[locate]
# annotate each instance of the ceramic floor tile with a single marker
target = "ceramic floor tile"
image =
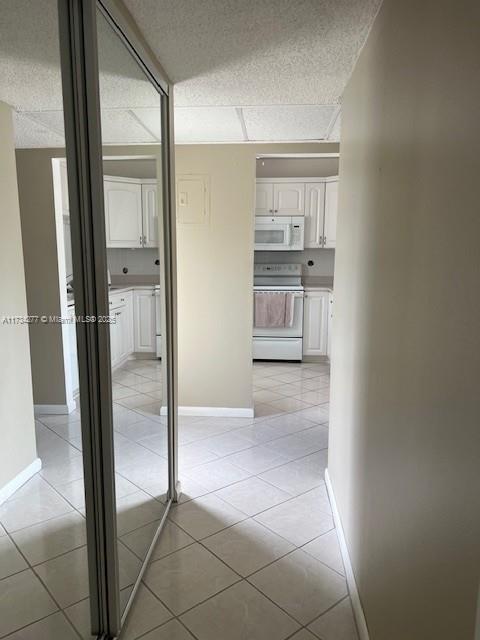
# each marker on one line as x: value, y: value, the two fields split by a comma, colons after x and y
x: 266, y: 395
x: 239, y: 613
x: 327, y: 549
x: 144, y: 428
x: 217, y: 474
x: 247, y: 546
x: 258, y: 433
x: 252, y: 495
x: 187, y: 577
x: 190, y: 489
x: 172, y: 630
x: 194, y: 454
x: 318, y: 414
x: 136, y: 510
x: 17, y: 591
x: 66, y: 577
x: 79, y: 616
x: 300, y: 475
x: 52, y: 538
x: 63, y: 473
x: 171, y: 539
x: 289, y: 404
x: 37, y: 502
x: 257, y: 459
x: 284, y: 519
x: 303, y: 634
x: 51, y: 628
x: 336, y: 624
x: 11, y: 561
x: 227, y: 443
x: 288, y: 424
x: 293, y: 446
x: 301, y: 585
x: 146, y: 614
x: 206, y: 515
x: 149, y: 475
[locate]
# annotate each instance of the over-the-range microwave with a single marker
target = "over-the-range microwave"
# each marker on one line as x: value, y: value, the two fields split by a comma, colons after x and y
x: 279, y: 233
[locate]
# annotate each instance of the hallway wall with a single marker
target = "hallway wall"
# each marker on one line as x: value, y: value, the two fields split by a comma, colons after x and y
x: 405, y: 432
x: 17, y: 428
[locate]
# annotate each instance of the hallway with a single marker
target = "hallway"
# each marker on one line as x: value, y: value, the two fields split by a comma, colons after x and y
x: 250, y: 551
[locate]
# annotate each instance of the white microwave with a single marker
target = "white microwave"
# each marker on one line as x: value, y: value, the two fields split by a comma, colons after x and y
x: 279, y: 233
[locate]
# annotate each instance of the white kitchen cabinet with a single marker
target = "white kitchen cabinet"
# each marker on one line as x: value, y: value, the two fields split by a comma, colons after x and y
x: 314, y: 214
x: 289, y: 198
x: 144, y: 320
x: 121, y: 328
x: 264, y: 199
x: 150, y: 214
x: 315, y: 322
x: 331, y: 207
x: 123, y: 213
x: 72, y: 351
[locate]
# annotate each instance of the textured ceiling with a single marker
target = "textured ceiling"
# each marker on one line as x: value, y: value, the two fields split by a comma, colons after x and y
x: 244, y: 70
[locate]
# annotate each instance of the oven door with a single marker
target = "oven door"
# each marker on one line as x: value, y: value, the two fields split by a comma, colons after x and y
x: 272, y: 234
x: 295, y: 331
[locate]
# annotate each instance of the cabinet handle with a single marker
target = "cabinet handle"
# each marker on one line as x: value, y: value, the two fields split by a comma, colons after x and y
x: 140, y: 240
x: 144, y: 240
x: 270, y: 210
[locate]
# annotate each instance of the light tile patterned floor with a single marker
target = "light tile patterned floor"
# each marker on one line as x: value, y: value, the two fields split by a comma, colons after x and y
x: 250, y: 553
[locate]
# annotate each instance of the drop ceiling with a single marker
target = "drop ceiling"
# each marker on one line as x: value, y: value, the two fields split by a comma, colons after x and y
x: 269, y: 70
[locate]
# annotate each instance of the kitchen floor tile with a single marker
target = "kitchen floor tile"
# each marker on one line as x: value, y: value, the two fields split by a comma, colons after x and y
x: 227, y: 443
x: 51, y: 628
x: 172, y: 630
x: 171, y: 539
x: 257, y: 459
x: 204, y: 516
x: 66, y: 577
x: 187, y: 577
x: 301, y: 585
x: 327, y: 549
x: 336, y: 624
x: 247, y: 546
x: 239, y: 613
x: 52, y: 538
x: 146, y: 614
x: 217, y: 474
x: 252, y: 495
x: 32, y: 504
x: 284, y: 519
x: 11, y: 561
x: 300, y: 475
x: 303, y: 634
x: 24, y: 600
x: 136, y: 510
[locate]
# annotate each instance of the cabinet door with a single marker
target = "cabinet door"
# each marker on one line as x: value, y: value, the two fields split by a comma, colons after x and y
x: 289, y: 198
x: 314, y: 212
x: 144, y: 320
x: 315, y: 323
x: 115, y: 336
x: 150, y: 215
x: 264, y: 199
x: 331, y: 206
x: 127, y: 326
x: 123, y: 214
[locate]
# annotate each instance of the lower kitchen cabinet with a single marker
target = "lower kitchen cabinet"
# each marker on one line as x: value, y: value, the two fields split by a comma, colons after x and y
x: 144, y: 320
x: 315, y: 322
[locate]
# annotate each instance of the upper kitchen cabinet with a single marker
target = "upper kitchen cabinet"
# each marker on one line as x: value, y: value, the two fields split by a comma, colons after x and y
x: 314, y: 215
x: 289, y: 198
x: 264, y: 199
x: 321, y: 213
x: 150, y: 214
x: 331, y: 207
x: 282, y: 197
x: 123, y: 213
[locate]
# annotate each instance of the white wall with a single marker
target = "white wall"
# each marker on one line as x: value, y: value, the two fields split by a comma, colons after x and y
x: 17, y: 431
x: 405, y: 408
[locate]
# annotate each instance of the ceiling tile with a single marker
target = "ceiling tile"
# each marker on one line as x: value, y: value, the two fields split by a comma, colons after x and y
x: 53, y: 120
x: 288, y: 123
x: 30, y: 134
x: 150, y: 119
x: 207, y: 124
x: 121, y: 127
x: 335, y: 131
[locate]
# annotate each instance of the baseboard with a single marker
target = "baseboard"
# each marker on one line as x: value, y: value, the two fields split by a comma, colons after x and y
x: 20, y: 479
x: 57, y: 409
x: 352, y: 585
x: 214, y: 412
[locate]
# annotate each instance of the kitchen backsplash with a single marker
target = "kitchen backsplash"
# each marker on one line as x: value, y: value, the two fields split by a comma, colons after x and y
x: 323, y: 260
x: 137, y: 261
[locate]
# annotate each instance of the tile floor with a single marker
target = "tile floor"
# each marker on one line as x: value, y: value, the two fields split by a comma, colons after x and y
x: 249, y: 553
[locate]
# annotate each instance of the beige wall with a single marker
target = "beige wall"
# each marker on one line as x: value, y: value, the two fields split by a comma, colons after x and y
x: 17, y: 432
x: 405, y: 429
x: 35, y: 188
x: 215, y: 275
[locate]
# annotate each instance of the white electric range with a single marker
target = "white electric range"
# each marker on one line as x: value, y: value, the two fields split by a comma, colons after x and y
x: 283, y: 343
